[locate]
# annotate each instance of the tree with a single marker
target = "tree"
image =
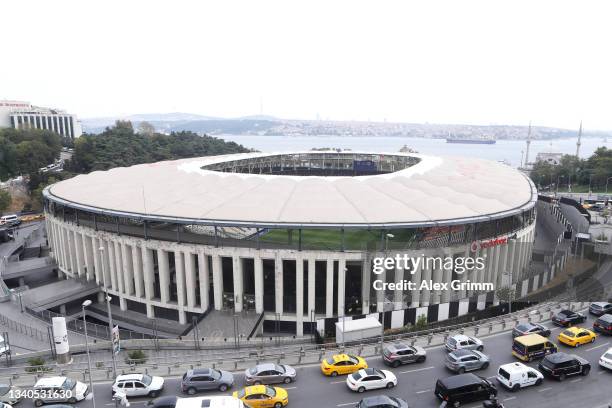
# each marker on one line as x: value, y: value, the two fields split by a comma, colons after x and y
x: 505, y: 294
x: 146, y: 129
x: 5, y: 200
x: 421, y: 323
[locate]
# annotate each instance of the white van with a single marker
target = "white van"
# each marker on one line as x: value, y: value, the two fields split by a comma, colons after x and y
x: 209, y: 402
x: 10, y: 220
x: 517, y: 375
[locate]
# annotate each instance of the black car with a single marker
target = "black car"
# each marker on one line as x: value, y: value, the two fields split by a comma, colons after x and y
x: 600, y: 308
x: 163, y: 402
x: 463, y: 388
x: 568, y: 318
x: 382, y: 401
x: 523, y: 329
x: 603, y: 324
x: 561, y: 365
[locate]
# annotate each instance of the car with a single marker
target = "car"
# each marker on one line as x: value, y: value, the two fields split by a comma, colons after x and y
x: 371, y: 379
x: 600, y: 308
x: 9, y: 394
x: 260, y: 396
x: 576, y: 336
x: 462, y: 388
x: 606, y: 359
x: 5, y: 405
x: 523, y: 329
x: 11, y: 220
x: 270, y: 374
x: 464, y: 360
x: 461, y: 341
x: 205, y: 379
x: 400, y: 353
x: 59, y: 389
x: 382, y: 401
x: 603, y: 324
x: 138, y: 385
x: 340, y: 364
x: 562, y: 365
x: 163, y: 402
x: 515, y: 376
x: 566, y: 318
x: 5, y: 348
x: 218, y: 401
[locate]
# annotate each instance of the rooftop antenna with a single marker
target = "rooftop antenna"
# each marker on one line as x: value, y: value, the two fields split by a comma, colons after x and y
x: 578, y: 142
x: 528, y: 142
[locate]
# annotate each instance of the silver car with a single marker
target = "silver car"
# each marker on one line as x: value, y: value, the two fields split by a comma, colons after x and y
x: 461, y: 361
x: 399, y: 353
x: 461, y: 341
x: 269, y: 374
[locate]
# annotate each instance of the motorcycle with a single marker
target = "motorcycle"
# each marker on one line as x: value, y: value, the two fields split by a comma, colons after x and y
x: 493, y: 403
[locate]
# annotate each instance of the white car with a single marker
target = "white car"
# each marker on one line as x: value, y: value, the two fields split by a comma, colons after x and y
x: 606, y: 359
x: 371, y: 379
x: 461, y: 342
x: 515, y: 376
x: 138, y: 385
x: 58, y: 390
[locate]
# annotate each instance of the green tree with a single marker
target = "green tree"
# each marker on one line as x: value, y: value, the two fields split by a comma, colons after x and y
x: 5, y: 200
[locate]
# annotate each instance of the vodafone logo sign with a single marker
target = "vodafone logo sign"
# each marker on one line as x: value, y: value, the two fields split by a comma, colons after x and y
x: 478, y: 245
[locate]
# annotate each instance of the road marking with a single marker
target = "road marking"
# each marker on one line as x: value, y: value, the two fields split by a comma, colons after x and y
x: 596, y: 347
x: 576, y: 380
x: 509, y: 398
x: 290, y: 388
x: 545, y: 389
x: 415, y: 370
x: 424, y: 391
x: 347, y: 404
x: 492, y: 377
x: 338, y: 382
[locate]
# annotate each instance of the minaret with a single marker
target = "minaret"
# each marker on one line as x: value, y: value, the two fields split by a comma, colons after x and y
x: 578, y: 142
x: 528, y: 142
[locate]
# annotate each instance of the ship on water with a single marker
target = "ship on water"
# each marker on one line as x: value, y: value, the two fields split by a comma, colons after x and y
x: 471, y: 140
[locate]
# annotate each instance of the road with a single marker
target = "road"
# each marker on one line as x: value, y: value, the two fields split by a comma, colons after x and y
x: 416, y: 382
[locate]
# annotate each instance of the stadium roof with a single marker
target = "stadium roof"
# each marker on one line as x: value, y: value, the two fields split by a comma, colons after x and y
x: 435, y: 191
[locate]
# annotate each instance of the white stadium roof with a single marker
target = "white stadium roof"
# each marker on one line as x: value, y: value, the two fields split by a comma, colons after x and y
x: 435, y: 191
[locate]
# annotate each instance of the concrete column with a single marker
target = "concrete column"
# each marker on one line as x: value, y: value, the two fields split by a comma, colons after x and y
x: 512, y: 257
x: 57, y: 246
x: 341, y: 285
x: 190, y: 280
x: 503, y: 262
x: 238, y: 283
x: 329, y: 289
x: 105, y: 264
x: 299, y: 296
x: 380, y: 294
x: 128, y: 269
x: 203, y: 274
x: 138, y: 272
x: 278, y: 284
x: 65, y: 247
x: 217, y: 281
x: 398, y: 295
x: 416, y: 294
x: 148, y: 273
x: 97, y: 262
x: 73, y: 258
x: 179, y: 265
x: 110, y: 246
x: 80, y: 256
x: 366, y: 277
x: 437, y: 276
x: 425, y: 293
x: 118, y: 267
x: 311, y: 286
x: 259, y: 284
x: 88, y: 250
x: 164, y: 275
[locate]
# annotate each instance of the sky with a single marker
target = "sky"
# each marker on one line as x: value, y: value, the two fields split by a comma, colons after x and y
x: 480, y: 62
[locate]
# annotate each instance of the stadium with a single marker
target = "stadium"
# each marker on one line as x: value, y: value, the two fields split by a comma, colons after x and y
x: 289, y: 236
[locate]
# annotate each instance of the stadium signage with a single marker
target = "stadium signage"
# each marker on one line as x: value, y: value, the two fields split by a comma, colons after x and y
x: 477, y: 245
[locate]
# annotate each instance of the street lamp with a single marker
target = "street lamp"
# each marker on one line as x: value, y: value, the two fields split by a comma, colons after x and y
x: 608, y: 179
x: 110, y: 316
x: 85, y: 304
x: 382, y: 327
x: 558, y: 178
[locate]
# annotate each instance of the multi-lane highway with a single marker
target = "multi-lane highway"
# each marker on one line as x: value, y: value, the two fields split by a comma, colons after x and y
x: 416, y: 382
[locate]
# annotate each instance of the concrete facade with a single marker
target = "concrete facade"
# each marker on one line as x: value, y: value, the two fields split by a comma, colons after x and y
x: 188, y: 278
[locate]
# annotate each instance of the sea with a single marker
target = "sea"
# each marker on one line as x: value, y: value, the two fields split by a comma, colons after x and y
x: 509, y: 151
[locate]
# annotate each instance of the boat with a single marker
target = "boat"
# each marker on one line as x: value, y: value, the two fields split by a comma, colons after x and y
x: 471, y: 140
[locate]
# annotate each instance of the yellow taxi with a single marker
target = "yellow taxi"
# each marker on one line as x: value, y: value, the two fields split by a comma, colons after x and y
x: 262, y: 396
x: 576, y: 336
x: 342, y: 364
